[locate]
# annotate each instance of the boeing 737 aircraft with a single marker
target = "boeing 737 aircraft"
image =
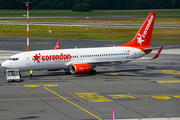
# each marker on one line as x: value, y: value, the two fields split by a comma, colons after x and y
x: 85, y: 60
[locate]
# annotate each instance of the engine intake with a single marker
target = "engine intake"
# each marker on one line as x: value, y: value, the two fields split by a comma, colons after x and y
x: 80, y: 68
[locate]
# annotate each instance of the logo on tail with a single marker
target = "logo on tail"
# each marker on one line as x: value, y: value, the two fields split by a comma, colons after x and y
x: 140, y: 39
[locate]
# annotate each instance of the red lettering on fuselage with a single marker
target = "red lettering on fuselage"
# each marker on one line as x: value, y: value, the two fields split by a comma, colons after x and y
x: 56, y: 57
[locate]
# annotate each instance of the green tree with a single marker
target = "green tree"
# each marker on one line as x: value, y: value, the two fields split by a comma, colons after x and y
x: 43, y: 5
x: 58, y: 6
x: 81, y: 7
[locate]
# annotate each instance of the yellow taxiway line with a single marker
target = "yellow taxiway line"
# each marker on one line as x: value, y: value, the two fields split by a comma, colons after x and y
x: 169, y: 81
x: 72, y: 103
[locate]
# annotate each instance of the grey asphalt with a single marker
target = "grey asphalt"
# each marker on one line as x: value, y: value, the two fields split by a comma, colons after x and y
x: 131, y: 89
x: 85, y: 24
x: 19, y: 44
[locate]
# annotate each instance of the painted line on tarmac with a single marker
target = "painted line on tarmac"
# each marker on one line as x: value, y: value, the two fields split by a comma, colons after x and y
x: 46, y: 85
x: 76, y: 97
x: 137, y: 96
x: 173, y: 118
x: 92, y: 97
x: 105, y: 83
x: 31, y: 85
x: 73, y: 103
x: 162, y: 97
x: 14, y: 99
x: 43, y: 43
x: 169, y: 81
x: 107, y: 97
x: 176, y: 96
x: 111, y: 74
x: 170, y: 72
x: 51, y: 85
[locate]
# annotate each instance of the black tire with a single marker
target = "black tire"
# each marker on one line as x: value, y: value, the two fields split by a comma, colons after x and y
x: 92, y: 72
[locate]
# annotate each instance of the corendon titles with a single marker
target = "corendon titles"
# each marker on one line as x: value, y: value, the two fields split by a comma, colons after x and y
x: 148, y: 26
x: 62, y: 56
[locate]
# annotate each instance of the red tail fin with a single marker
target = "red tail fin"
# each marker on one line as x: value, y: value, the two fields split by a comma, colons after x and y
x: 143, y: 37
x: 57, y: 45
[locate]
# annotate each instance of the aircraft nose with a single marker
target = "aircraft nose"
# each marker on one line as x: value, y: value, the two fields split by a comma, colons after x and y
x: 4, y: 64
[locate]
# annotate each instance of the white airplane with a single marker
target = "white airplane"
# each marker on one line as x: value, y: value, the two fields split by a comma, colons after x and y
x: 85, y: 60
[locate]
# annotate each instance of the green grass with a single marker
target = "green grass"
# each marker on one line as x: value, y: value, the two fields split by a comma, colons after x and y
x: 172, y: 20
x: 93, y: 33
x: 20, y: 13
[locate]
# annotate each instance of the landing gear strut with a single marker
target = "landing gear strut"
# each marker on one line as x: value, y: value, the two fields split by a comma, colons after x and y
x: 92, y: 72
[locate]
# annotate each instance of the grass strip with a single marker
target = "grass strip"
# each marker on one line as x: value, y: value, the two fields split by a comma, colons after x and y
x: 170, y: 35
x: 20, y: 13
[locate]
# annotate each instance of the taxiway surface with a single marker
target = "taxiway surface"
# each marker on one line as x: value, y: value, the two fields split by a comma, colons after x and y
x: 139, y: 89
x: 86, y: 24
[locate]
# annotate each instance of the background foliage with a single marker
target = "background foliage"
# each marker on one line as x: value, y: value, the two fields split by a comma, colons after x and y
x: 81, y: 7
x: 94, y: 4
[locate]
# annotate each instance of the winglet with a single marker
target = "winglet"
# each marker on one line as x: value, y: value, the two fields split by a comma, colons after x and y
x: 158, y: 53
x: 57, y: 45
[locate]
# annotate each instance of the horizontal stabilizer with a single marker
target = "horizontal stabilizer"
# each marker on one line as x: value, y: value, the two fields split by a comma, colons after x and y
x: 158, y: 53
x: 155, y: 48
x: 155, y: 57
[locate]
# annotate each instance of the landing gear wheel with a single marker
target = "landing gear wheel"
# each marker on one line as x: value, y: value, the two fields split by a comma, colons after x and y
x: 92, y: 72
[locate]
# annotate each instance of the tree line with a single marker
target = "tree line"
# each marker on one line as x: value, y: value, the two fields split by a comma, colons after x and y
x: 94, y: 4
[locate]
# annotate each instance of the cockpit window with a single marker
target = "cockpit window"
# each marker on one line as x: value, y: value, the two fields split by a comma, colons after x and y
x: 14, y: 59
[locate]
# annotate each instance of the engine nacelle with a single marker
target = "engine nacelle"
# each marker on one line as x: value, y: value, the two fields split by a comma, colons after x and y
x: 80, y: 68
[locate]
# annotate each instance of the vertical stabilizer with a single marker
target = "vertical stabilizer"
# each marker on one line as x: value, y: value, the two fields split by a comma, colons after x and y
x: 57, y: 45
x: 143, y: 37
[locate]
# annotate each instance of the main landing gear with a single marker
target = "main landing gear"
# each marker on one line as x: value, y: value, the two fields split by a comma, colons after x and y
x: 92, y: 72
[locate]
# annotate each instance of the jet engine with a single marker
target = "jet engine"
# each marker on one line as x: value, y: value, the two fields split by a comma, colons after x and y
x: 80, y: 68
